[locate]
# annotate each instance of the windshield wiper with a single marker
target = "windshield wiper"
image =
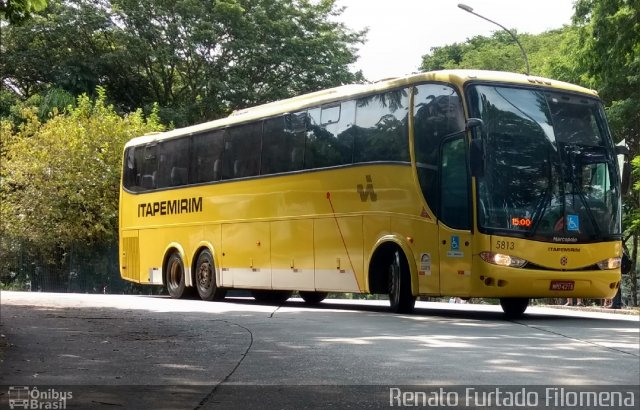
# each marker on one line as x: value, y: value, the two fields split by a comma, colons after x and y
x: 541, y: 206
x: 579, y: 156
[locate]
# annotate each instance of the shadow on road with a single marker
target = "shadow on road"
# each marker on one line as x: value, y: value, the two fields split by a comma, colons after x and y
x: 191, y: 353
x: 442, y: 310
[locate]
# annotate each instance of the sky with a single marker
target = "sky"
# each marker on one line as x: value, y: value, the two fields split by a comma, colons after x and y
x: 402, y: 31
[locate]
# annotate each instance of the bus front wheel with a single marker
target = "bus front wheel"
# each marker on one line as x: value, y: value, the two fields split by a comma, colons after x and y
x: 313, y: 298
x: 175, y: 276
x: 513, y: 308
x: 401, y: 300
x: 205, y: 278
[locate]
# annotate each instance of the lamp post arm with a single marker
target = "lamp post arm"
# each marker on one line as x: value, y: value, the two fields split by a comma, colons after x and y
x: 524, y: 54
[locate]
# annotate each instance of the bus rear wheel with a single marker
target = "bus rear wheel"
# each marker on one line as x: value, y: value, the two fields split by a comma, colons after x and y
x: 313, y: 298
x: 271, y: 296
x: 513, y: 308
x: 175, y: 279
x: 205, y: 278
x: 401, y: 300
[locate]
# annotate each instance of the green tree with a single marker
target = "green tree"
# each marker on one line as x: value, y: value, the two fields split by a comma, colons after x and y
x: 16, y: 11
x: 610, y: 54
x: 198, y: 60
x: 55, y: 49
x: 59, y: 180
x: 547, y: 53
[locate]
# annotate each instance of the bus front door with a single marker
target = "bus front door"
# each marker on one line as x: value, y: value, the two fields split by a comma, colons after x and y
x: 455, y: 219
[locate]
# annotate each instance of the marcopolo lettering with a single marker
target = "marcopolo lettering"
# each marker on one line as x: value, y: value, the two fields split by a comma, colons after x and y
x: 170, y: 207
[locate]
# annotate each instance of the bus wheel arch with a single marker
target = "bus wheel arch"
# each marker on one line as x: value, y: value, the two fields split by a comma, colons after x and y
x: 390, y: 273
x: 203, y: 274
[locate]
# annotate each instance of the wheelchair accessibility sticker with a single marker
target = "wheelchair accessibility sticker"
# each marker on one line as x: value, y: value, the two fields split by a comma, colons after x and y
x: 573, y: 223
x: 455, y: 248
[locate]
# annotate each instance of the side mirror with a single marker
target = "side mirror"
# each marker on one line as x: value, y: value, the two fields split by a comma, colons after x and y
x: 624, y: 166
x: 625, y: 185
x: 622, y: 150
x: 476, y: 154
x: 476, y: 158
x: 474, y: 123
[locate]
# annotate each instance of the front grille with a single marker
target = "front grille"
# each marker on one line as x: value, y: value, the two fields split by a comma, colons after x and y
x: 530, y: 265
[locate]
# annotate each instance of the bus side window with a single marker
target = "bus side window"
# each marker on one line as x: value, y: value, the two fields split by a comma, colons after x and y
x: 455, y: 185
x: 241, y: 156
x: 149, y: 167
x: 381, y: 124
x: 131, y: 172
x: 206, y: 156
x: 330, y: 137
x: 314, y: 133
x: 282, y: 138
x: 437, y: 111
x: 295, y: 127
x: 173, y: 163
x: 179, y: 176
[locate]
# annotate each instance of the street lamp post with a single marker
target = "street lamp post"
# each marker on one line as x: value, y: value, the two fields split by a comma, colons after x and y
x: 524, y: 54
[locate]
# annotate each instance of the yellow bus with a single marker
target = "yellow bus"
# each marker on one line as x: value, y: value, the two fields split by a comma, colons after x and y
x: 451, y: 183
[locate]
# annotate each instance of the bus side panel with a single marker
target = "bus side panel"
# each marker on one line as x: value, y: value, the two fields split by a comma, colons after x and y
x: 292, y: 255
x: 338, y: 254
x: 152, y: 245
x: 156, y: 242
x: 425, y: 250
x: 246, y: 248
x: 213, y: 234
x: 456, y: 251
x: 130, y: 256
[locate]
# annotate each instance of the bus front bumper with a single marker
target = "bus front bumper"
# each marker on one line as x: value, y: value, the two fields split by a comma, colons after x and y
x: 497, y: 281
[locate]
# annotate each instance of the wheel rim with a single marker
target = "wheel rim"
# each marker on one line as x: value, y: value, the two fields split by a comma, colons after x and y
x: 204, y: 276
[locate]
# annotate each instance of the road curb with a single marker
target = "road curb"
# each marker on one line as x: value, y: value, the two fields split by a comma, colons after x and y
x: 623, y: 311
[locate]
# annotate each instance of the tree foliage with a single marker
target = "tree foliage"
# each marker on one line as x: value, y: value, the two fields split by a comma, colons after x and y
x: 198, y: 60
x: 548, y: 54
x: 59, y: 180
x: 610, y: 54
x: 16, y: 11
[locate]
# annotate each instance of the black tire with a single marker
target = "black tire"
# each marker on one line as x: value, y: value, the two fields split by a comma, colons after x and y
x: 175, y: 278
x: 313, y: 298
x: 205, y: 278
x: 401, y: 300
x: 277, y: 297
x: 513, y: 308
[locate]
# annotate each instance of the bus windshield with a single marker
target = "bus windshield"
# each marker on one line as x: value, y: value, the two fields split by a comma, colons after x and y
x: 549, y: 167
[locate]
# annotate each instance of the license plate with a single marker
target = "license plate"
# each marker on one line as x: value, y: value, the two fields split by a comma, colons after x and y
x: 561, y: 285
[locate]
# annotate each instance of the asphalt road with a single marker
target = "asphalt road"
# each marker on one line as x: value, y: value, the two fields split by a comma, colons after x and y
x: 117, y: 351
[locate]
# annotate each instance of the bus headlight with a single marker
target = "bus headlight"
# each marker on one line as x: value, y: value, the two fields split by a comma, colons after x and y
x: 611, y: 263
x: 502, y: 259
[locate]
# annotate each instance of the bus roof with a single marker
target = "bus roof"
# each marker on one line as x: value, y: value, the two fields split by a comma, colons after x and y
x: 456, y: 77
